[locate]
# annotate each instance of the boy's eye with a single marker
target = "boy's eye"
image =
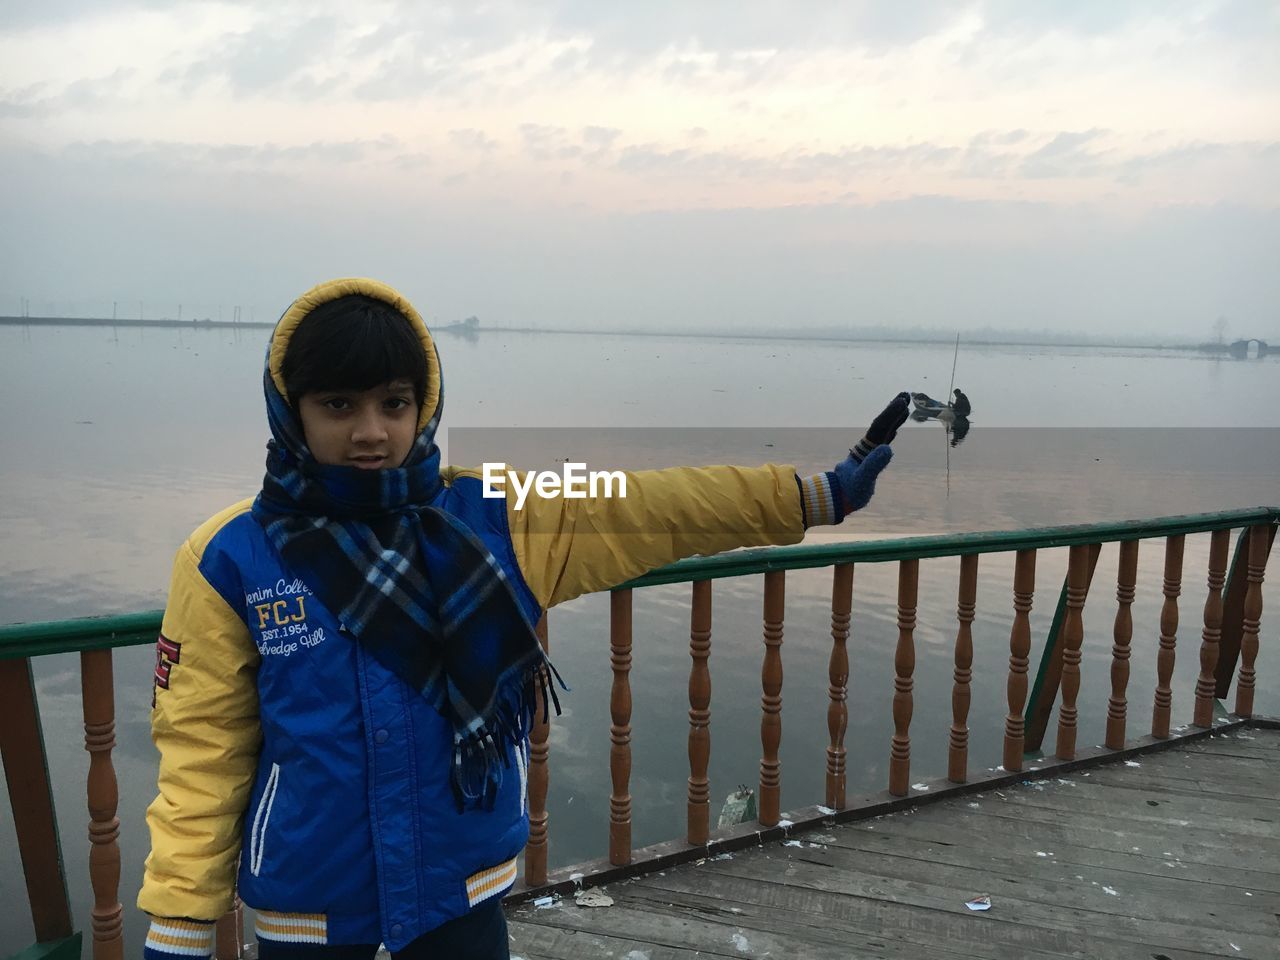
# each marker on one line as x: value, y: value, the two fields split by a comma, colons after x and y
x: 337, y: 403
x: 397, y: 403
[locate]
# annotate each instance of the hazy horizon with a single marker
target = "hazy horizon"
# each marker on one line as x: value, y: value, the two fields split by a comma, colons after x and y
x: 1100, y: 169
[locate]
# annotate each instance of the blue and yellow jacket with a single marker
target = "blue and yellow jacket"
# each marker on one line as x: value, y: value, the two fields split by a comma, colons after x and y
x: 300, y: 773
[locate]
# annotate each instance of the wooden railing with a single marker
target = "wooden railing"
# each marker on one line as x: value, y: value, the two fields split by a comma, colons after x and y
x: 1231, y: 620
x: 1058, y: 679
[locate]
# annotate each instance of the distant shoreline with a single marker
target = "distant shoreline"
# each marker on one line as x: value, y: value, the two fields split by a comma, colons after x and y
x: 166, y: 323
x: 852, y: 338
x: 692, y: 334
x: 135, y: 322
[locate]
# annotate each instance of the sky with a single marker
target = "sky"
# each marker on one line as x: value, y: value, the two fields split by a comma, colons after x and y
x: 1100, y: 167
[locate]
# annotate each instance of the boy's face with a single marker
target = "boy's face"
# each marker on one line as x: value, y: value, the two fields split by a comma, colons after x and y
x: 369, y: 429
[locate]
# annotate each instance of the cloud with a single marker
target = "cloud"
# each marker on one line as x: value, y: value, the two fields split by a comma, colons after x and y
x: 263, y: 58
x: 1067, y: 154
x: 799, y: 165
x: 1088, y: 18
x: 618, y: 36
x: 600, y: 137
x: 620, y: 32
x: 543, y: 142
x: 989, y: 138
x: 408, y: 74
x: 470, y: 139
x: 25, y: 101
x: 141, y: 160
x: 28, y: 16
x: 87, y: 93
x: 1194, y: 161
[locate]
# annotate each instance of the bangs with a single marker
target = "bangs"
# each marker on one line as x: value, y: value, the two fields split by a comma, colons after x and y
x: 353, y: 343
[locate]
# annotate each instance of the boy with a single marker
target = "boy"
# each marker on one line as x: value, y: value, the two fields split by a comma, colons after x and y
x: 347, y: 667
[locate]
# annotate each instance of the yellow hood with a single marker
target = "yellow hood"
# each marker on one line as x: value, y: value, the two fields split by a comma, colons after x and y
x: 346, y: 286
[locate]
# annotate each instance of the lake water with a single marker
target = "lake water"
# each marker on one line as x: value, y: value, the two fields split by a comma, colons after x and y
x: 118, y: 443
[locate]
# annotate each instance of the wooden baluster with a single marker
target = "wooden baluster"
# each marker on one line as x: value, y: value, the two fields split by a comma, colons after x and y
x: 904, y: 665
x: 1072, y: 638
x: 1117, y: 705
x: 1173, y: 548
x: 699, y: 814
x: 228, y: 934
x: 1024, y: 586
x: 620, y: 730
x: 1207, y: 684
x: 98, y: 697
x: 535, y: 851
x: 26, y: 769
x: 958, y: 754
x: 771, y: 699
x: 1258, y: 549
x: 838, y: 683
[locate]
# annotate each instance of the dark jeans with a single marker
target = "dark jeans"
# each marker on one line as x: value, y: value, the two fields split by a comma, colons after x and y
x: 479, y: 935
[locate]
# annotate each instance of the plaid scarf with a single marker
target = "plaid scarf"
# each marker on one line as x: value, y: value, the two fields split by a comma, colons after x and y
x: 414, y: 586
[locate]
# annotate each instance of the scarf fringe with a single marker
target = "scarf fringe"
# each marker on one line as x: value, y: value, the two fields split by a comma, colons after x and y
x: 478, y: 760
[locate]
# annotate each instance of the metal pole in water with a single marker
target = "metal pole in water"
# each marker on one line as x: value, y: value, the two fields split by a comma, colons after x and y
x: 954, y: 358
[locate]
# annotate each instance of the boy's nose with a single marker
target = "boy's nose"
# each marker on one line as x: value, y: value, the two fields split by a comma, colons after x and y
x: 368, y: 428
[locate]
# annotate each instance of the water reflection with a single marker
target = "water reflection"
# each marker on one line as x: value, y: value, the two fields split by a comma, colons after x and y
x: 93, y: 512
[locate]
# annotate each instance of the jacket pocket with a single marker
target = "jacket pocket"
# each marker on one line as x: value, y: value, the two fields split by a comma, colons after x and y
x: 258, y: 834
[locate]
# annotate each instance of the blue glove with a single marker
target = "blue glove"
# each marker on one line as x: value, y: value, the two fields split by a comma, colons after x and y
x: 857, y: 472
x: 858, y: 480
x: 829, y: 497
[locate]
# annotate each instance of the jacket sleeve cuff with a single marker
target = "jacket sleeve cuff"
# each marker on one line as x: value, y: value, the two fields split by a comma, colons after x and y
x: 821, y: 499
x: 170, y: 938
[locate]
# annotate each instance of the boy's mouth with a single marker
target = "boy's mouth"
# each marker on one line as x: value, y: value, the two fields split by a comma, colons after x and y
x: 368, y: 461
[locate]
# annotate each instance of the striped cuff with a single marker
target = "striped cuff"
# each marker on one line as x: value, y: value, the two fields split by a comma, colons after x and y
x: 490, y: 882
x: 169, y: 938
x: 864, y: 447
x: 310, y: 928
x: 821, y: 499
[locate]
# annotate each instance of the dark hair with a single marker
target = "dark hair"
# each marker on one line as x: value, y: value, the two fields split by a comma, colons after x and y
x: 353, y: 343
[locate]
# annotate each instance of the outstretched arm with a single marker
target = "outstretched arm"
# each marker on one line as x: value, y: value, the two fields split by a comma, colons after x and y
x: 568, y: 547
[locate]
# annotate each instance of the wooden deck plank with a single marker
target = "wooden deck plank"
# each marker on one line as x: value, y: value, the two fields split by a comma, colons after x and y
x: 1056, y: 885
x: 1037, y: 906
x: 1260, y: 747
x: 1128, y: 785
x: 1218, y: 765
x: 1188, y: 840
x: 1041, y: 829
x: 847, y: 917
x: 1135, y: 867
x: 559, y: 943
x: 1190, y: 782
x: 1114, y: 804
x: 856, y: 925
x: 668, y: 921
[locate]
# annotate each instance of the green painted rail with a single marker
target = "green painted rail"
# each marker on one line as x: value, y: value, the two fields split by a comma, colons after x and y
x: 132, y: 629
x: 765, y: 559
